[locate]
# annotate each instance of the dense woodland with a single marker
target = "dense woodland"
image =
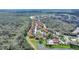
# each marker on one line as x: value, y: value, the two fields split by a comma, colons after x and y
x: 13, y: 30
x: 63, y: 24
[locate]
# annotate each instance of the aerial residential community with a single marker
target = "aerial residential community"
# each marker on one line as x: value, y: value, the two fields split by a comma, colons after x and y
x: 44, y: 39
x: 39, y: 29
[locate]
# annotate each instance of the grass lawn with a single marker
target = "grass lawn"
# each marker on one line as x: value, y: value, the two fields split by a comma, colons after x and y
x: 34, y: 42
x: 43, y: 41
x: 59, y: 46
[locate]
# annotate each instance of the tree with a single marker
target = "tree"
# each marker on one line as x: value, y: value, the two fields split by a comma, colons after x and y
x: 49, y: 36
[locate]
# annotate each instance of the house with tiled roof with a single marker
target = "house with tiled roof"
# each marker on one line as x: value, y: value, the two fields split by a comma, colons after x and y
x: 53, y: 41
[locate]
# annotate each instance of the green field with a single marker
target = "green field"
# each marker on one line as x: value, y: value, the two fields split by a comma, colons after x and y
x: 58, y: 46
